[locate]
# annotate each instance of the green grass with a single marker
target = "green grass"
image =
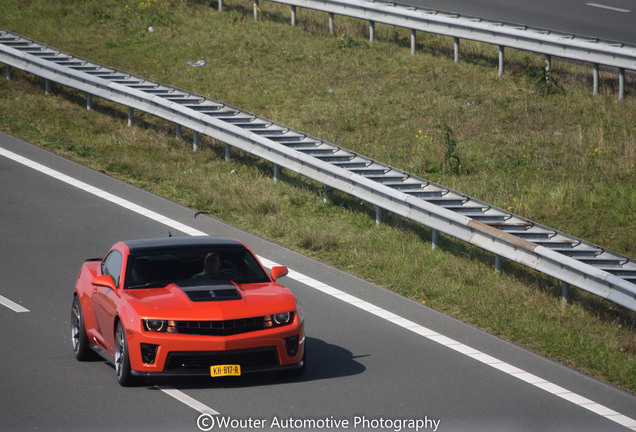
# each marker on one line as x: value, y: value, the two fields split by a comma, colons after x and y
x: 555, y: 155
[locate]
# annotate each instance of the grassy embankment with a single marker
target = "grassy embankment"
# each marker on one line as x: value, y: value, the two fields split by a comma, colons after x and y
x: 553, y: 154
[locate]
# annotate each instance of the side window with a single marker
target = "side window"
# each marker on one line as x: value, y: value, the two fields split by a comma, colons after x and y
x: 111, y: 266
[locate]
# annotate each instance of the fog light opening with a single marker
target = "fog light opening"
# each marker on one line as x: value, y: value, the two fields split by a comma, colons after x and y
x: 291, y: 344
x: 148, y: 353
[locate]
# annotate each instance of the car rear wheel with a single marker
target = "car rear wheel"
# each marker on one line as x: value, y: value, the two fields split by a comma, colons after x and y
x: 122, y: 359
x: 81, y: 347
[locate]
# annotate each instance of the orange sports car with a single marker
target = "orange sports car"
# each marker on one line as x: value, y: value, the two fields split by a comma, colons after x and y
x: 184, y: 306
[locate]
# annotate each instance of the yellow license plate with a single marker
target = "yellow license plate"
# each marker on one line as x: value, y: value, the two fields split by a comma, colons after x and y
x: 225, y: 370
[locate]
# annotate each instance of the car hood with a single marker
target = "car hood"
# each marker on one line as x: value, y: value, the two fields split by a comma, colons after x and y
x: 211, y: 301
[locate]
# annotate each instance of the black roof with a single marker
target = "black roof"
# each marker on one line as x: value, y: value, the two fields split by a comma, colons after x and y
x: 157, y: 244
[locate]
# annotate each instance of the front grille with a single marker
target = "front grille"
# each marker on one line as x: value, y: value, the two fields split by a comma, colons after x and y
x: 220, y: 328
x: 250, y: 360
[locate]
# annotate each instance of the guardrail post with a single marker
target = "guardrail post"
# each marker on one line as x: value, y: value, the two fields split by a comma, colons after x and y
x: 276, y: 173
x: 378, y: 215
x: 434, y: 239
x: 195, y: 142
x: 131, y: 116
x: 621, y: 84
x: 47, y: 87
x: 371, y: 31
x: 255, y: 10
x: 293, y: 15
x: 548, y: 66
x: 498, y: 262
x: 89, y: 101
x: 325, y: 194
x: 228, y: 152
x: 501, y: 61
x: 8, y: 71
x: 413, y: 40
x: 331, y: 24
x: 565, y: 293
x: 220, y: 6
x: 595, y: 84
x: 456, y: 50
x: 178, y: 131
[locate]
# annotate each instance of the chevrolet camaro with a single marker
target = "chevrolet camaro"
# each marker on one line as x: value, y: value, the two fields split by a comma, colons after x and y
x: 186, y: 306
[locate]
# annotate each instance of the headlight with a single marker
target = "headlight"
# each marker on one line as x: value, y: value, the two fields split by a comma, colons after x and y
x: 159, y: 326
x: 282, y: 318
x: 278, y: 319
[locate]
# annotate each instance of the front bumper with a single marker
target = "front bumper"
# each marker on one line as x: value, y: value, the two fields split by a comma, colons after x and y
x: 189, y: 364
x: 192, y: 355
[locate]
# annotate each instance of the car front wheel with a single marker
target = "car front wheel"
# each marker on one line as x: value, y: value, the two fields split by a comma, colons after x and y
x: 81, y: 347
x: 122, y: 359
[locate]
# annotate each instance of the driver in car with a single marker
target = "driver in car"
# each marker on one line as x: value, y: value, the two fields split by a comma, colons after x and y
x: 211, y: 267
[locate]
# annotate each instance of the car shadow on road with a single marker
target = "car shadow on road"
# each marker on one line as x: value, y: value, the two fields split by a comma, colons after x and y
x: 324, y: 361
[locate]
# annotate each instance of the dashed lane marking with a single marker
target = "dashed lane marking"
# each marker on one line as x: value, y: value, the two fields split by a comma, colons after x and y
x: 612, y: 8
x: 185, y: 399
x: 12, y: 305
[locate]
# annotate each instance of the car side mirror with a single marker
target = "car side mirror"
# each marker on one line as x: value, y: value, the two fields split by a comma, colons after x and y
x: 279, y: 272
x: 104, y: 281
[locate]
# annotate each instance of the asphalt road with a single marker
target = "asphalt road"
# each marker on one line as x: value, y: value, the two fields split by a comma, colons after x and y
x: 374, y: 357
x: 611, y: 20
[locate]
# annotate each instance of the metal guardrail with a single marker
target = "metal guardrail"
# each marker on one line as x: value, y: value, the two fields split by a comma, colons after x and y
x: 573, y: 261
x: 589, y: 50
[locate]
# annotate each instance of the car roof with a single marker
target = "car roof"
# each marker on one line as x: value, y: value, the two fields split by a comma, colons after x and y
x: 157, y: 244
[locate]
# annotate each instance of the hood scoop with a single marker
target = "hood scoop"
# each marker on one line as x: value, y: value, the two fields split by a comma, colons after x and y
x: 211, y: 292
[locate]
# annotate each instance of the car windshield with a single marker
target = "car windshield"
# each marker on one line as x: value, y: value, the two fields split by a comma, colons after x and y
x: 190, y: 266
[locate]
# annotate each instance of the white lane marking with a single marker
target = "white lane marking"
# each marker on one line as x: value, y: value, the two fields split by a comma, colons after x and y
x: 12, y: 305
x: 189, y: 401
x: 348, y: 298
x: 101, y: 193
x: 612, y: 8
